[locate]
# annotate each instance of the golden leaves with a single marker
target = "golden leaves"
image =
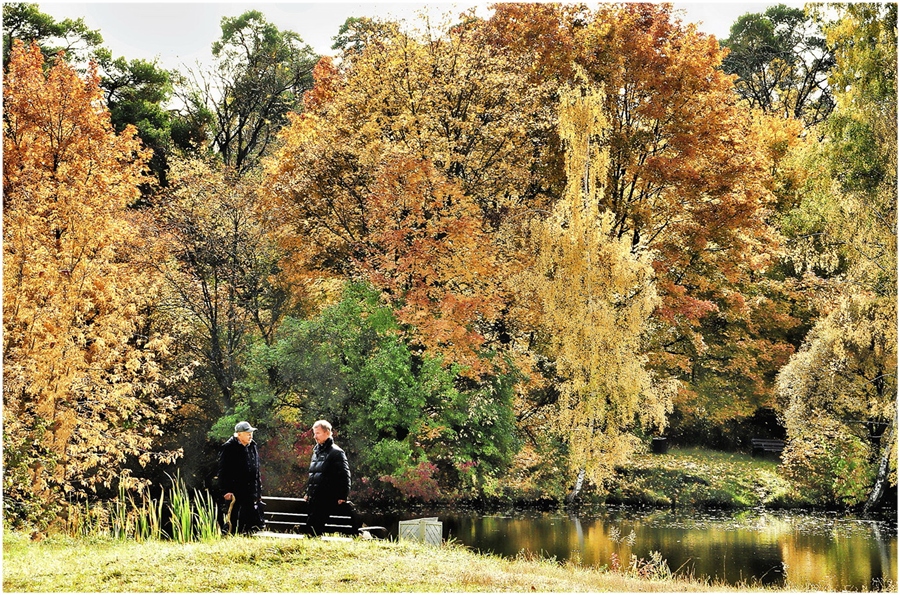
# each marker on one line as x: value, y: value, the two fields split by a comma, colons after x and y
x: 595, y: 299
x: 77, y: 381
x: 420, y: 145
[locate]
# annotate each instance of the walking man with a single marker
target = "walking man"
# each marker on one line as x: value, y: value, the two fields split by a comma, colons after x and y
x: 329, y: 478
x: 239, y: 481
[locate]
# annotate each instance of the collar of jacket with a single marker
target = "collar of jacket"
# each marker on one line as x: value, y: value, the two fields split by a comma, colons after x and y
x: 324, y: 445
x: 238, y: 442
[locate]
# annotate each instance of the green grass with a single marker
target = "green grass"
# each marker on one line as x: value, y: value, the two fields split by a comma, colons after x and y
x: 260, y: 564
x: 698, y: 477
x: 128, y: 557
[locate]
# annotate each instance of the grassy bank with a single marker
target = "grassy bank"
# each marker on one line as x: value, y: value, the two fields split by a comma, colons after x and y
x: 696, y: 477
x: 260, y: 564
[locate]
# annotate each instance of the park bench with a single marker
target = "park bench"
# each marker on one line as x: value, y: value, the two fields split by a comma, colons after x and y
x: 765, y: 446
x: 288, y: 515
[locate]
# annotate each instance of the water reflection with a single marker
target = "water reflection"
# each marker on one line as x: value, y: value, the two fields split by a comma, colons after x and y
x: 779, y: 549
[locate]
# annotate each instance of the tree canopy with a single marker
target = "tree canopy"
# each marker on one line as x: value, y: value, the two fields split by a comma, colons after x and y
x: 259, y: 76
x: 24, y: 21
x: 782, y: 63
x: 83, y: 370
x: 499, y: 253
x: 596, y: 298
x: 845, y: 377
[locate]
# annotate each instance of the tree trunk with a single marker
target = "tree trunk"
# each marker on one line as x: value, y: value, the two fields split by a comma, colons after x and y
x: 579, y: 482
x: 881, y: 478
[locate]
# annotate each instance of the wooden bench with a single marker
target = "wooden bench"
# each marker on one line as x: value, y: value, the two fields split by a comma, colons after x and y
x: 288, y: 515
x: 764, y: 446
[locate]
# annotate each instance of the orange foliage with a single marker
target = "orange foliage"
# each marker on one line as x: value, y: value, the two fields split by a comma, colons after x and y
x: 461, y: 119
x: 323, y: 90
x: 690, y: 178
x: 426, y: 249
x: 689, y: 181
x: 81, y: 375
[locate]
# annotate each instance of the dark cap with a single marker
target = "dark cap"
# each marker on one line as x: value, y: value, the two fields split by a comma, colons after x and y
x: 244, y: 426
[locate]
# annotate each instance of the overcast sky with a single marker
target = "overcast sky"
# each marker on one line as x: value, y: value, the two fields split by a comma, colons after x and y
x: 180, y: 33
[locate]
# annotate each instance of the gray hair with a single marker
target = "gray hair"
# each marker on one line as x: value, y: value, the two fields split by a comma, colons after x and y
x: 323, y: 424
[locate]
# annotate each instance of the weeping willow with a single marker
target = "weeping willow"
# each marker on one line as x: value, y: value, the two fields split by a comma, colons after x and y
x: 596, y: 294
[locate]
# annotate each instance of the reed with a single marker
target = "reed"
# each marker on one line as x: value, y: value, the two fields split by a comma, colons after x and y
x: 207, y: 515
x: 93, y: 521
x: 194, y: 516
x: 121, y: 523
x: 182, y: 512
x: 148, y: 517
x: 71, y: 521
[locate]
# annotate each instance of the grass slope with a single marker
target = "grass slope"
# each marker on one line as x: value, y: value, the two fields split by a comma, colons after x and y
x: 697, y: 477
x: 260, y: 564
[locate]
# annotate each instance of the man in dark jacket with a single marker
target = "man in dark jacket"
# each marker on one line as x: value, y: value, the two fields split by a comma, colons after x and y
x: 239, y: 481
x: 329, y: 478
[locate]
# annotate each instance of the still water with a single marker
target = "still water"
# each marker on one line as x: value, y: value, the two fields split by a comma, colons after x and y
x: 771, y: 548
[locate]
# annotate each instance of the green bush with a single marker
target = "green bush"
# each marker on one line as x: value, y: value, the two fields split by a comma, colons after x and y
x: 410, y: 424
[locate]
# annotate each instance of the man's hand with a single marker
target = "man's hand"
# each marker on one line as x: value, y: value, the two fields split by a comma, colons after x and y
x: 229, y: 496
x: 341, y: 501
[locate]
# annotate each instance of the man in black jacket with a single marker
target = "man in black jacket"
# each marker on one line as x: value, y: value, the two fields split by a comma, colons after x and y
x: 329, y: 478
x: 239, y: 481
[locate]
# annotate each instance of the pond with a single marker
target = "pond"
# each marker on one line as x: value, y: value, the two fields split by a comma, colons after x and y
x: 781, y: 549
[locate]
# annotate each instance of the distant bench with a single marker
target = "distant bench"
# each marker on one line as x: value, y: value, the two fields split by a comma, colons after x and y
x: 288, y: 515
x: 764, y: 446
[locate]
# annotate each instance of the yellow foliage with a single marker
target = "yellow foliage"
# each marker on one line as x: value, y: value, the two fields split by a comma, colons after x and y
x: 81, y: 388
x: 407, y: 155
x: 843, y: 377
x: 595, y: 298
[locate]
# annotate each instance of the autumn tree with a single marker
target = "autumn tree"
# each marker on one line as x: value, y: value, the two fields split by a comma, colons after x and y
x: 407, y: 156
x: 452, y: 100
x: 688, y: 180
x: 428, y: 251
x: 416, y: 236
x: 845, y: 377
x: 259, y: 76
x: 596, y: 297
x: 83, y: 367
x: 136, y: 91
x: 837, y: 393
x: 862, y: 142
x: 219, y: 267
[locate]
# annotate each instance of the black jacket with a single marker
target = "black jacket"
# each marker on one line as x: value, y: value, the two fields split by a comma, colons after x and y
x: 329, y: 474
x: 239, y: 470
